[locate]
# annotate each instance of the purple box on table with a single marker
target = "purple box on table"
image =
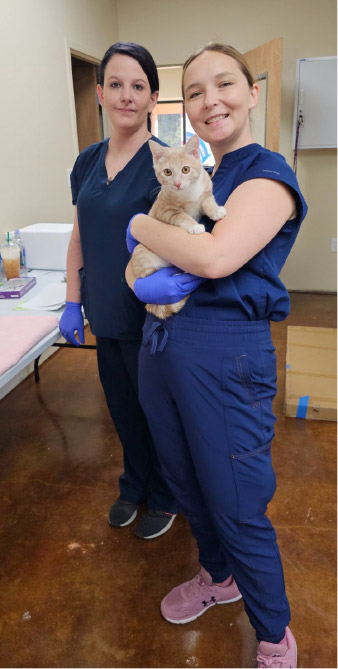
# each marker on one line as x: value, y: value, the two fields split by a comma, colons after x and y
x: 17, y: 287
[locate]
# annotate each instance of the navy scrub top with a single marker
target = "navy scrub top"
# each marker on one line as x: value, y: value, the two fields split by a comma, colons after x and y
x: 104, y: 211
x: 255, y: 291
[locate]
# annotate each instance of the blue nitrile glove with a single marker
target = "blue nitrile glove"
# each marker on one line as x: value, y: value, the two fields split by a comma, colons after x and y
x: 72, y: 321
x: 131, y: 241
x: 166, y: 286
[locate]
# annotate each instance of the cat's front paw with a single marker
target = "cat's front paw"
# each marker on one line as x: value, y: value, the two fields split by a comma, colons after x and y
x: 219, y: 213
x: 196, y: 229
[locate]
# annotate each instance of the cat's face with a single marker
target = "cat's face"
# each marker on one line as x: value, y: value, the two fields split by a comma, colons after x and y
x: 177, y: 168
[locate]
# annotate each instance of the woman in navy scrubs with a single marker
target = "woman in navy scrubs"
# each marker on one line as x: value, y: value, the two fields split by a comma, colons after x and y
x: 111, y: 181
x: 207, y: 375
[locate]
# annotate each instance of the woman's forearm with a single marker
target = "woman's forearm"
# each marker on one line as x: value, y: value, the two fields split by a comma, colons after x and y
x: 192, y: 253
x: 256, y: 211
x: 74, y: 263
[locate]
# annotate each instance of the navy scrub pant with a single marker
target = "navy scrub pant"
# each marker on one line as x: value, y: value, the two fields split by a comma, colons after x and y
x: 142, y: 479
x: 206, y: 388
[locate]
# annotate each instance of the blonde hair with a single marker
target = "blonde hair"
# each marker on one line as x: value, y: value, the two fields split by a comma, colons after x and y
x: 227, y: 51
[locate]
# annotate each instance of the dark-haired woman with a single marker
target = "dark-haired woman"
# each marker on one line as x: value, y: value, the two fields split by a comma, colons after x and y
x: 111, y: 181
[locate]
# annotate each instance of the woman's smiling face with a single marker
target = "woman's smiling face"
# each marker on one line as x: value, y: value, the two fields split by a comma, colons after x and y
x: 218, y: 99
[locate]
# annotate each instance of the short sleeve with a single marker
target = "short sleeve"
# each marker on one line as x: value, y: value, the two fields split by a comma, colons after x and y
x: 74, y: 181
x: 275, y: 167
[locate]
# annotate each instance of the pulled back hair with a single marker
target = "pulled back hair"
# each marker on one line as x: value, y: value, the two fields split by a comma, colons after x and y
x: 144, y: 59
x: 227, y: 51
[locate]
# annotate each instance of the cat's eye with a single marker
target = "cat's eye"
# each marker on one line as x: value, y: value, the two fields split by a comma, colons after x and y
x: 185, y: 169
x: 167, y: 172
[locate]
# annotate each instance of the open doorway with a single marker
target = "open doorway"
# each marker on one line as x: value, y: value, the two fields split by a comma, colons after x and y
x: 89, y: 120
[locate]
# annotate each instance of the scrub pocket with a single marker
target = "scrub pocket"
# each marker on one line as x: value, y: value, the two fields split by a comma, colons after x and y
x: 255, y: 481
x: 84, y: 291
x: 246, y: 380
x: 249, y: 386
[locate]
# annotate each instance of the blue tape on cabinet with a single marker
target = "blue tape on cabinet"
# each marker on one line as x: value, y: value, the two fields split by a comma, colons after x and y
x: 303, y: 403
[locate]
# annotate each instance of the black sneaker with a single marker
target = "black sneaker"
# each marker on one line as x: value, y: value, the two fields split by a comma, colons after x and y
x: 122, y: 513
x: 154, y: 523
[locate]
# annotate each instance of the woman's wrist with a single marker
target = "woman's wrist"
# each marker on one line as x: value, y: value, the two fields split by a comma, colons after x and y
x: 73, y: 294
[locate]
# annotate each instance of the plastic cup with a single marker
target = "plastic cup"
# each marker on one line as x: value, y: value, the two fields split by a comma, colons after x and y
x: 11, y: 260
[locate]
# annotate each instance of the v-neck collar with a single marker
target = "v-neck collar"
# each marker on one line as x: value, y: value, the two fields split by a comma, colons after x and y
x: 128, y: 164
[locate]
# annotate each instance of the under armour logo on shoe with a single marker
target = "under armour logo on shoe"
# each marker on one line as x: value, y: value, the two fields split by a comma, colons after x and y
x: 211, y: 601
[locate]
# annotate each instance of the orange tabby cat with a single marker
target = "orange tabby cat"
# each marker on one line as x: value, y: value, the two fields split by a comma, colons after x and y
x: 186, y: 194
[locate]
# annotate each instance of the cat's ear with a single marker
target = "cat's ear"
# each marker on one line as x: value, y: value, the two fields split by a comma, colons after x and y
x: 156, y: 149
x: 192, y: 146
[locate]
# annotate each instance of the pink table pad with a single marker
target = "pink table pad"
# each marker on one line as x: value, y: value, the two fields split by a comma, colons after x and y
x: 18, y: 335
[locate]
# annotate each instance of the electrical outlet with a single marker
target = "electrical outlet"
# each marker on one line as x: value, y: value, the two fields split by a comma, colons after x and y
x: 334, y: 244
x: 69, y: 171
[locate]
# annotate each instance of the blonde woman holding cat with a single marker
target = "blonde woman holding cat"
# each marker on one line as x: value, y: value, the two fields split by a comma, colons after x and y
x: 207, y: 374
x: 110, y: 181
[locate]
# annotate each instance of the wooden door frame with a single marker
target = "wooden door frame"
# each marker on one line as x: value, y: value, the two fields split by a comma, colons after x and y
x: 88, y: 109
x: 78, y: 51
x: 267, y: 59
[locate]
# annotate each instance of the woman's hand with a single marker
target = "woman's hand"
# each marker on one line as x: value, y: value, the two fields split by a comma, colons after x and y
x: 71, y: 321
x: 166, y: 286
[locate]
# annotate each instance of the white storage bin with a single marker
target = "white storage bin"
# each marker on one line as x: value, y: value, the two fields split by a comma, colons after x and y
x: 46, y: 245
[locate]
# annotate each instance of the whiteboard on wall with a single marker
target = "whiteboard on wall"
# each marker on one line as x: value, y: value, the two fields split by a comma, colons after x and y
x: 316, y: 103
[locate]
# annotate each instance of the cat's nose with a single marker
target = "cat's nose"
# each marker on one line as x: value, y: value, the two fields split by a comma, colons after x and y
x: 177, y: 184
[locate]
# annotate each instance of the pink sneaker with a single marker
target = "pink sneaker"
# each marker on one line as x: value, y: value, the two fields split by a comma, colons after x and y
x: 283, y: 654
x: 188, y: 601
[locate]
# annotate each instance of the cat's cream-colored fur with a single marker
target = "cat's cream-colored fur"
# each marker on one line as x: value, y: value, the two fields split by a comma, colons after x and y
x: 186, y: 194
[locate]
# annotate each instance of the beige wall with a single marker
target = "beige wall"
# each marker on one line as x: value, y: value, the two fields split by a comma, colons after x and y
x: 172, y: 30
x: 38, y: 134
x: 38, y: 128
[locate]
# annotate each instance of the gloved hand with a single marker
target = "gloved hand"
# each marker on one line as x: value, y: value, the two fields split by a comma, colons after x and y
x: 72, y: 321
x: 131, y: 241
x: 166, y: 286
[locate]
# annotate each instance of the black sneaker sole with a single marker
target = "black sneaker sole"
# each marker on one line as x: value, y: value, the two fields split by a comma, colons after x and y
x: 128, y: 522
x: 157, y: 534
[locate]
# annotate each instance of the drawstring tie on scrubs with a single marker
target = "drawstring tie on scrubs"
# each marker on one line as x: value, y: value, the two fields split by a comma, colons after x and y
x: 152, y: 335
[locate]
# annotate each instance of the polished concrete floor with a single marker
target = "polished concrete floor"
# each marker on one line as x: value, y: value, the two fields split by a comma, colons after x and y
x: 77, y: 593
